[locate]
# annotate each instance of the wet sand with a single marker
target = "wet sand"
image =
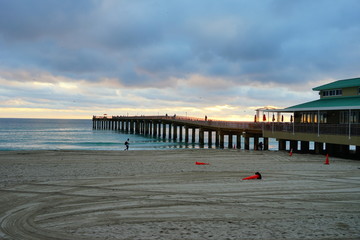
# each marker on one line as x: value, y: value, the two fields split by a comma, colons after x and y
x: 164, y: 195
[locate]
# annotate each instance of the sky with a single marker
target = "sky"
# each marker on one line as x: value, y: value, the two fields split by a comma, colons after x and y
x: 222, y: 59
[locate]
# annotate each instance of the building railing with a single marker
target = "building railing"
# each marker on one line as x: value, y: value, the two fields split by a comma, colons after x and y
x: 314, y: 128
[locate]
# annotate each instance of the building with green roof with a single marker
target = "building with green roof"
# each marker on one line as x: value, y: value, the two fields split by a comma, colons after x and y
x: 331, y: 123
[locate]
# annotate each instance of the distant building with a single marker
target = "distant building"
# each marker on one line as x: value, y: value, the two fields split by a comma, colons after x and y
x: 332, y: 122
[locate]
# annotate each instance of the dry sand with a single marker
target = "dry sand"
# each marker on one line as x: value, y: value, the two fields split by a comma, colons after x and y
x: 164, y: 195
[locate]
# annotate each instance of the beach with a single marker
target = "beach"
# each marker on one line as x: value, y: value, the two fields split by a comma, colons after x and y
x: 61, y: 194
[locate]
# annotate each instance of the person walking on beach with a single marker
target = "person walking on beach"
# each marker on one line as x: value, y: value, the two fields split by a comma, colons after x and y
x: 126, y: 145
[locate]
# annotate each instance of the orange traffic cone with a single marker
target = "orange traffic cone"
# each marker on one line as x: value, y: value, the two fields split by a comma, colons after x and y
x: 290, y: 153
x: 201, y: 163
x: 327, y: 160
x: 256, y: 176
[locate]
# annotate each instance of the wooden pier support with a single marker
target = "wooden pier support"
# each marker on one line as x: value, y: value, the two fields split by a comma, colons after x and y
x: 164, y: 130
x: 256, y: 142
x: 201, y: 137
x: 154, y: 127
x: 282, y: 144
x: 266, y: 143
x: 238, y: 141
x: 175, y: 131
x: 180, y: 133
x: 230, y: 141
x: 247, y: 143
x: 221, y: 138
x: 305, y: 146
x: 209, y: 138
x: 294, y: 145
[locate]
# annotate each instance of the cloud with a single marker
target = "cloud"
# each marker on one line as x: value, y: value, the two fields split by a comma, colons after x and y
x: 157, y: 54
x: 32, y: 20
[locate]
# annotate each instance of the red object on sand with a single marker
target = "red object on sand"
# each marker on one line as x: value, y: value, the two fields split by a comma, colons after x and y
x: 290, y: 153
x: 201, y: 163
x: 327, y: 162
x: 251, y: 177
x: 256, y: 176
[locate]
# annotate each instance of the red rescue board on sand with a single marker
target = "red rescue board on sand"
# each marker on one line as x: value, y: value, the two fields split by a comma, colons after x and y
x: 256, y: 176
x: 201, y: 163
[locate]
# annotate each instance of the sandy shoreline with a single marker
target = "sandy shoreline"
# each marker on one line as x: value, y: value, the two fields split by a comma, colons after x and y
x: 164, y: 195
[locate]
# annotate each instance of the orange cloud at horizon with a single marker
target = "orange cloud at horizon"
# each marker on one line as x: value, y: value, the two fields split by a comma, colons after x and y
x: 215, y: 113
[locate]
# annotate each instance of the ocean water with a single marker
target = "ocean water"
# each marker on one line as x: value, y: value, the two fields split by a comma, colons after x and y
x: 65, y: 134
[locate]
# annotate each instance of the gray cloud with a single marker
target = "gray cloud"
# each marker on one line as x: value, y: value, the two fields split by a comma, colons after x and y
x: 31, y: 20
x: 162, y: 37
x: 231, y: 45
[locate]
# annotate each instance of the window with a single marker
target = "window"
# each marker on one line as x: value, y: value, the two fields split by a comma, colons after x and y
x: 323, y: 117
x: 336, y: 92
x: 355, y: 117
x: 344, y: 117
x: 309, y: 117
x: 315, y: 118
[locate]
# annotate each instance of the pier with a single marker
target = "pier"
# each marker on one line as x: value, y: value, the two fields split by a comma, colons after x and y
x: 181, y: 128
x: 329, y: 125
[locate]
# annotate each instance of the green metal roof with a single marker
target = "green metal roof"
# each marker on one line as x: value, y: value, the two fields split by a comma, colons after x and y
x: 353, y: 82
x: 333, y: 103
